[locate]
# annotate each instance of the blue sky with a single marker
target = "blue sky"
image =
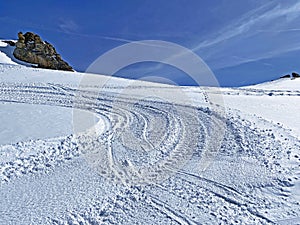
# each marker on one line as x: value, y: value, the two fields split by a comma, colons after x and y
x: 243, y: 42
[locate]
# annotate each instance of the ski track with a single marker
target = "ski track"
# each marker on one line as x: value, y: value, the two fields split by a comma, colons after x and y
x: 61, y: 181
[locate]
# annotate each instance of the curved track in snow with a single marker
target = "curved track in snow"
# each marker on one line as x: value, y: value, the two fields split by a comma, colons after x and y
x: 144, y: 167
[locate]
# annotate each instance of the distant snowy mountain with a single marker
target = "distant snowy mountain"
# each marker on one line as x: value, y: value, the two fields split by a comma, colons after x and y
x: 79, y: 148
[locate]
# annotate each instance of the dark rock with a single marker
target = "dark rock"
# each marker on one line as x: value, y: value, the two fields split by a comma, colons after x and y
x: 11, y: 43
x: 32, y: 49
x: 286, y: 76
x: 21, y: 37
x: 295, y: 75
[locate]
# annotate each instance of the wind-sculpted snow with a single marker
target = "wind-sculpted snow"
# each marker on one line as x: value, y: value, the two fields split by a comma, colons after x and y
x: 148, y: 160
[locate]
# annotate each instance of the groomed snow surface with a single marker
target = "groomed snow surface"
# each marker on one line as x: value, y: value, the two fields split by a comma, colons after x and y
x: 115, y: 151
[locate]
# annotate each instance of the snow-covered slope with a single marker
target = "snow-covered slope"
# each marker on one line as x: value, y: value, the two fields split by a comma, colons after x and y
x: 86, y: 149
x: 7, y: 57
x: 5, y: 52
x: 277, y: 101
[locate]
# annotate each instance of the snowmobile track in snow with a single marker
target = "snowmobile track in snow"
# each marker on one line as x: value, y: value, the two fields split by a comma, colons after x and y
x: 145, y: 165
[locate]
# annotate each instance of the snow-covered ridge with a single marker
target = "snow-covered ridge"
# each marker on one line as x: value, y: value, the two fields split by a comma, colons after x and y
x: 280, y: 84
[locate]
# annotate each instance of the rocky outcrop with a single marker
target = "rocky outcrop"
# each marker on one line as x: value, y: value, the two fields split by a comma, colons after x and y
x: 286, y: 76
x: 11, y: 43
x: 295, y: 75
x: 32, y: 49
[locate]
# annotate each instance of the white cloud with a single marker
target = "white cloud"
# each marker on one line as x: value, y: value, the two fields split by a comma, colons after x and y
x: 256, y: 35
x: 254, y: 18
x: 67, y: 25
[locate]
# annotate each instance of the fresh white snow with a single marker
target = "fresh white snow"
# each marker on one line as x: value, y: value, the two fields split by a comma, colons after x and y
x: 88, y: 149
x: 24, y: 122
x: 5, y: 52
